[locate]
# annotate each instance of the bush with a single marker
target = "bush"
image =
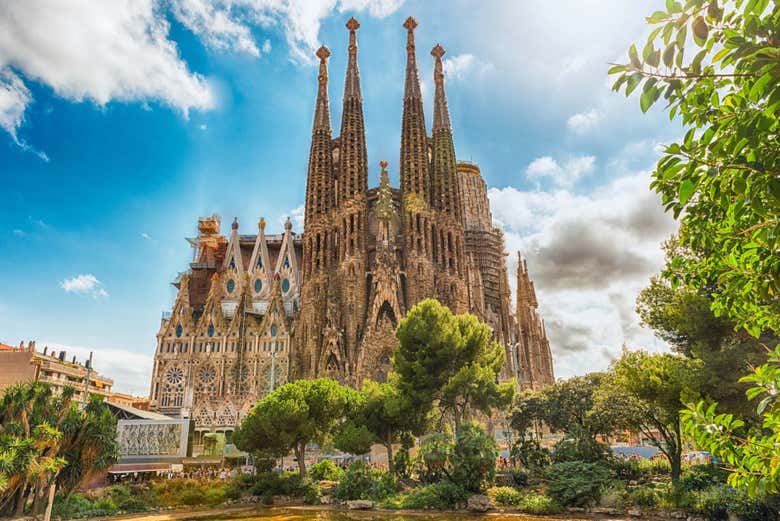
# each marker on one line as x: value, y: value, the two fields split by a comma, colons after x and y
x: 580, y: 448
x: 474, y: 458
x: 576, y: 483
x: 506, y: 496
x: 531, y: 454
x: 626, y: 469
x: 325, y: 470
x: 615, y: 496
x: 435, y: 452
x: 444, y: 495
x: 716, y: 502
x: 272, y: 484
x: 700, y: 477
x: 362, y: 482
x: 539, y: 504
x: 643, y: 497
x: 76, y: 506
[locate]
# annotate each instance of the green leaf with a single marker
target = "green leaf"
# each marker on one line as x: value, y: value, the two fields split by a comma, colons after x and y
x: 773, y: 187
x: 633, y: 56
x: 700, y: 31
x: 633, y: 81
x: 757, y: 90
x: 687, y: 189
x: 616, y: 69
x: 669, y: 55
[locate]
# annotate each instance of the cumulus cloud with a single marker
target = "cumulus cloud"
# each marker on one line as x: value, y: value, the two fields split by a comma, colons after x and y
x: 97, y: 51
x: 296, y: 215
x: 228, y: 24
x: 462, y: 66
x: 86, y: 284
x: 129, y: 370
x: 561, y: 175
x: 589, y: 255
x: 584, y: 122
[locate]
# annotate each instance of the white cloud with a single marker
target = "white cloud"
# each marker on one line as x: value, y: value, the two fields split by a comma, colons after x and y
x: 228, y: 24
x: 18, y: 232
x: 589, y: 256
x: 97, y: 51
x: 296, y: 215
x: 14, y: 98
x: 585, y: 121
x: 203, y: 126
x: 463, y: 65
x: 86, y: 284
x: 129, y: 370
x: 564, y: 176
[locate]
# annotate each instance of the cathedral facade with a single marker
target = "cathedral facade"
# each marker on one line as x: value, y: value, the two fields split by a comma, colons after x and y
x: 255, y: 311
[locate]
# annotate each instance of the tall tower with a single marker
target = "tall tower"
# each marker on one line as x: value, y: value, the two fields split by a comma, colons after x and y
x: 318, y: 232
x: 447, y: 201
x: 415, y: 182
x: 531, y: 334
x: 350, y: 222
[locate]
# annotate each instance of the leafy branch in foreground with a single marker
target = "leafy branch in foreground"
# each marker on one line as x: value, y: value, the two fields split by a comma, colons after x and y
x: 718, y: 67
x: 753, y: 457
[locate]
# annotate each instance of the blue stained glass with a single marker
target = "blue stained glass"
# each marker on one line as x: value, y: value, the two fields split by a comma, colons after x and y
x: 232, y: 262
x: 286, y: 285
x: 231, y: 285
x: 286, y: 262
x: 258, y: 285
x: 273, y: 330
x: 178, y: 331
x: 259, y: 261
x: 211, y: 330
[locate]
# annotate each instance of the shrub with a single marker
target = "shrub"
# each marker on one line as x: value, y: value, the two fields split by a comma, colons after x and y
x: 272, y: 484
x: 506, y: 496
x: 435, y: 452
x: 580, y: 448
x: 643, y: 497
x: 444, y: 495
x: 75, y: 506
x: 362, y: 482
x: 539, y: 504
x: 655, y: 467
x: 615, y: 496
x: 474, y: 458
x: 700, y: 477
x: 215, y: 495
x: 716, y: 502
x: 530, y: 454
x: 576, y: 483
x: 626, y: 469
x: 712, y: 504
x: 325, y: 470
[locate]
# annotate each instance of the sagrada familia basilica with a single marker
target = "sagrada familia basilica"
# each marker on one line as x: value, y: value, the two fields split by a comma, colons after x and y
x: 257, y: 310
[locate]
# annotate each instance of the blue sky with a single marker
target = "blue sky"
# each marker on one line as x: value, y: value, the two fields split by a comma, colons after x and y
x: 113, y: 142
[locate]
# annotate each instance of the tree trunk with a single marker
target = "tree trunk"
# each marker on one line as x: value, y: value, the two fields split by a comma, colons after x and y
x: 21, y: 500
x: 390, y: 462
x: 38, y: 499
x: 300, y: 454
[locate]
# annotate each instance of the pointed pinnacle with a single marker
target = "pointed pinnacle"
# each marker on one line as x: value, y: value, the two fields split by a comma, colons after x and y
x: 383, y: 164
x: 323, y: 53
x: 353, y: 25
x: 438, y: 51
x: 410, y: 24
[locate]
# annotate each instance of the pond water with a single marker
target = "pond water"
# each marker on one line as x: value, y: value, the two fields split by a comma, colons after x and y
x: 306, y: 514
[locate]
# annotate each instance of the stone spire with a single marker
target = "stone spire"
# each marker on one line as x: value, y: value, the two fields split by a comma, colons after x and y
x: 353, y: 167
x: 384, y: 204
x: 444, y: 183
x: 320, y: 186
x: 322, y: 109
x: 415, y: 177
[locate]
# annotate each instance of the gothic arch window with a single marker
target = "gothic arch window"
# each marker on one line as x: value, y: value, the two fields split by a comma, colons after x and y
x: 259, y: 261
x: 231, y: 285
x: 258, y: 286
x: 239, y: 380
x: 285, y: 285
x: 178, y: 331
x: 211, y: 330
x: 332, y: 365
x: 206, y: 380
x: 386, y: 312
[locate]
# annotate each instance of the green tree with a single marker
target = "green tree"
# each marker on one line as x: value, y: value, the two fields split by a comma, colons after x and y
x: 45, y: 437
x: 645, y: 392
x: 567, y: 406
x: 716, y: 65
x: 450, y: 361
x: 292, y: 416
x: 683, y: 317
x: 753, y: 456
x: 474, y: 458
x: 380, y: 414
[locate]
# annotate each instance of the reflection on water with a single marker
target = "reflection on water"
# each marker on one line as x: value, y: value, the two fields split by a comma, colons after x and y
x: 307, y: 514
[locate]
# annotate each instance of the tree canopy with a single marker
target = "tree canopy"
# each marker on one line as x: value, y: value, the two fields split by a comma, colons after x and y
x: 292, y: 416
x: 46, y: 437
x: 716, y: 63
x: 450, y: 361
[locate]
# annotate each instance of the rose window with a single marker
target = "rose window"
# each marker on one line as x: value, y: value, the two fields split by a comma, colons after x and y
x: 174, y: 376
